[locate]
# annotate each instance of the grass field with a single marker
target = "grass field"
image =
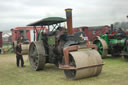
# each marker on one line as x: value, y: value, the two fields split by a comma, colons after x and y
x: 115, y: 72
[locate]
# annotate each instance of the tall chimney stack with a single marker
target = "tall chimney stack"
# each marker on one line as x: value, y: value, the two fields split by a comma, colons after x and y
x: 69, y: 20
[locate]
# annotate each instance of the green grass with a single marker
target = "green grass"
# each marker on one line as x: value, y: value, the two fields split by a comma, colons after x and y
x: 115, y: 72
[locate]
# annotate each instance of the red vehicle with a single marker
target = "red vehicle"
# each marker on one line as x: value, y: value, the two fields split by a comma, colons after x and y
x: 26, y: 32
x: 92, y: 32
x: 29, y: 34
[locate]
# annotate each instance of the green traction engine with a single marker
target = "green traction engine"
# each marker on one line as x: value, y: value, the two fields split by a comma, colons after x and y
x: 115, y: 42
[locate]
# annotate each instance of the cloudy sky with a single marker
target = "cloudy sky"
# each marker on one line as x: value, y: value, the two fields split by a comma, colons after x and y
x: 15, y: 13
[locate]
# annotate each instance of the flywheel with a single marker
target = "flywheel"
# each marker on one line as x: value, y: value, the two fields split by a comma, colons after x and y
x: 102, y: 47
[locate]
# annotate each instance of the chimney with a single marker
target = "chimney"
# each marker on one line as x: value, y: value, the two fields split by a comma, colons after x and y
x: 112, y: 29
x: 69, y: 20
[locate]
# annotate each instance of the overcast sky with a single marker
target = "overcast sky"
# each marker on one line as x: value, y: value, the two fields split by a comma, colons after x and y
x: 15, y: 13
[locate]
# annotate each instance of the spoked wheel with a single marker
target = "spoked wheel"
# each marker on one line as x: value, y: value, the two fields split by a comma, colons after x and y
x: 126, y: 56
x: 37, y: 55
x: 102, y: 47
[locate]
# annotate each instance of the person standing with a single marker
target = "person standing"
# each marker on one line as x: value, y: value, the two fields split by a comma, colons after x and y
x: 19, y: 56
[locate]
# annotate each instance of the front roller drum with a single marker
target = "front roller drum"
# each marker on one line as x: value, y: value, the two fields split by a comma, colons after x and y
x: 37, y: 55
x: 88, y: 63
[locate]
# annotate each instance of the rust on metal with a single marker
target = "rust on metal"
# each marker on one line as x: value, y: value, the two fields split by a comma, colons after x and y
x: 69, y: 20
x: 66, y: 51
x: 67, y: 67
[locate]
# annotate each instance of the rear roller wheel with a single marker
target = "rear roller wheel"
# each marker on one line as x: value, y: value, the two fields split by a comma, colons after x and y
x: 37, y: 56
x: 102, y: 47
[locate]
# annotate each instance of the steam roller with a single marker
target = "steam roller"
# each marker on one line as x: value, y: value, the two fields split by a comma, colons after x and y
x: 67, y: 50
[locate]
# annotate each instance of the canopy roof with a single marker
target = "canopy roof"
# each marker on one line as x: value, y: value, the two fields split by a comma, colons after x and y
x: 48, y: 21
